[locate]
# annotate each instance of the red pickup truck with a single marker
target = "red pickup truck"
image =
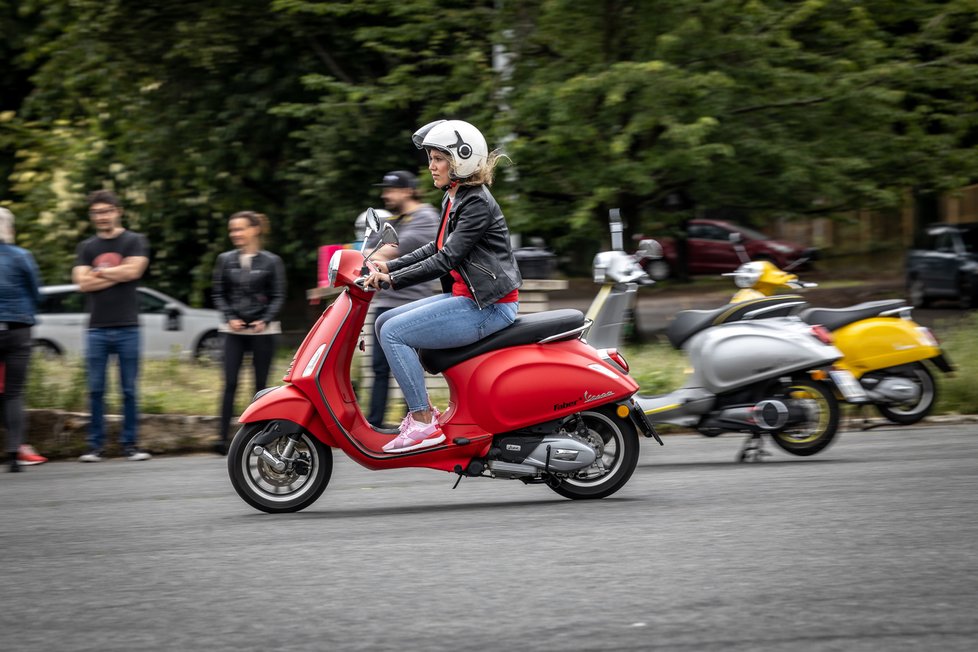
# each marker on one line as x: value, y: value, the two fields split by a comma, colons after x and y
x: 710, y: 250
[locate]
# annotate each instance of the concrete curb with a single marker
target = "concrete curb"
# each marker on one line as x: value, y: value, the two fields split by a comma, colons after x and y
x: 58, y: 434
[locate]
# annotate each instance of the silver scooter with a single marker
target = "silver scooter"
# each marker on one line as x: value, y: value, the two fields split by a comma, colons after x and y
x: 773, y: 375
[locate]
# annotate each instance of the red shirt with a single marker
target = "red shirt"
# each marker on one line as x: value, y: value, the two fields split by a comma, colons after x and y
x: 459, y: 288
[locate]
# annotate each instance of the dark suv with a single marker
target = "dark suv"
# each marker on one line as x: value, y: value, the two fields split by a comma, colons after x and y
x: 943, y: 264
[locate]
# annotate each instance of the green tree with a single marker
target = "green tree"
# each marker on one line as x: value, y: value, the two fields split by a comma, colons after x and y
x: 769, y: 108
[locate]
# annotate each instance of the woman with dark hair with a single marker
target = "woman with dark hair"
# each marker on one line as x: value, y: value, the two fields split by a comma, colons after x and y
x: 19, y: 295
x: 249, y: 290
x: 473, y: 258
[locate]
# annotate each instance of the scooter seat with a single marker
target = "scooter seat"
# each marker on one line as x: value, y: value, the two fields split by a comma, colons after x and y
x: 527, y: 329
x: 690, y: 322
x: 835, y: 318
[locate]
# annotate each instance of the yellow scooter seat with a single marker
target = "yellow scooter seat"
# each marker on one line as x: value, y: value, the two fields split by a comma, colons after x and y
x: 835, y: 318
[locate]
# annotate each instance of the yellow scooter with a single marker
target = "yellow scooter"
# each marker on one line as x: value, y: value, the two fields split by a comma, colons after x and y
x: 881, y: 344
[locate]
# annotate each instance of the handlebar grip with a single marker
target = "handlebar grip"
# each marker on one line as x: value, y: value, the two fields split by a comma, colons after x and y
x: 384, y: 285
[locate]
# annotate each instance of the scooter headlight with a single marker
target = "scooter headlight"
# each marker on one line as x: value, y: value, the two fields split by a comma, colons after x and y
x: 748, y: 274
x: 334, y: 266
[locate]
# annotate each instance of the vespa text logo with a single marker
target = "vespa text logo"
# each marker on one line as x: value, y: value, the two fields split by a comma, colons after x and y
x: 587, y: 398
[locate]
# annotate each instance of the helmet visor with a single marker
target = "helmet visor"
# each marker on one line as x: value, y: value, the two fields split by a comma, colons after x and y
x: 419, y: 135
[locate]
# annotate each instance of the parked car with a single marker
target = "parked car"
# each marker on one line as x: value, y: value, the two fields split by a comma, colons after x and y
x: 710, y: 250
x: 943, y: 264
x: 169, y: 326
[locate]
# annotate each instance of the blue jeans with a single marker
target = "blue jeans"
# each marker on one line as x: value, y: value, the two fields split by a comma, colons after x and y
x: 123, y: 342
x: 438, y: 322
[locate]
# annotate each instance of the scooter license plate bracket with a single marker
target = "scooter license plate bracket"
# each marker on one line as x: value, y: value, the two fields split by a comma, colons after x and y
x: 849, y: 386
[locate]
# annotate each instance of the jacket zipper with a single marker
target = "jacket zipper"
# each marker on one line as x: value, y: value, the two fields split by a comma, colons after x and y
x: 484, y: 269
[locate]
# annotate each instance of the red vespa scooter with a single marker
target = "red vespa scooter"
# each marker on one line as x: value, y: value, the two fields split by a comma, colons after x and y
x: 532, y: 402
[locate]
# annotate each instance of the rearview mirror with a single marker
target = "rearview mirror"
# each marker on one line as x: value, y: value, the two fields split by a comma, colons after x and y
x: 373, y: 220
x: 388, y: 234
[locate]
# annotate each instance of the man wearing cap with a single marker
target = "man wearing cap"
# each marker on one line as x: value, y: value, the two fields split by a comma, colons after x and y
x: 417, y: 225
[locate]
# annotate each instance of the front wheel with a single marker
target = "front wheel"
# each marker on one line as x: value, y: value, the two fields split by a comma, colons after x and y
x: 616, y: 441
x: 658, y: 269
x: 308, y: 467
x: 913, y: 411
x: 210, y: 348
x: 820, y: 422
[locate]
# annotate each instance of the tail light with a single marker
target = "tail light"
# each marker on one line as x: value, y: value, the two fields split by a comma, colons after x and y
x: 822, y: 334
x: 927, y: 337
x: 618, y: 359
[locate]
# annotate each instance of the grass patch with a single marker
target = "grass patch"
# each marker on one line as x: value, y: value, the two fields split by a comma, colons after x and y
x: 170, y: 386
x: 180, y: 387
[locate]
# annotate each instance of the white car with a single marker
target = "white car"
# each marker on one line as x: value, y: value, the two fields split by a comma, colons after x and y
x: 169, y: 327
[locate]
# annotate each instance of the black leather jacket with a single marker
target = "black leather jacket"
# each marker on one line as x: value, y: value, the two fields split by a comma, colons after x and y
x: 476, y: 245
x: 251, y: 296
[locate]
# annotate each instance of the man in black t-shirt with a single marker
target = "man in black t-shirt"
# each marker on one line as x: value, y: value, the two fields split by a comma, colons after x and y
x: 108, y: 267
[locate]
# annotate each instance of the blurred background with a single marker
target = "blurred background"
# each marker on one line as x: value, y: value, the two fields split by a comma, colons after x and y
x: 846, y: 126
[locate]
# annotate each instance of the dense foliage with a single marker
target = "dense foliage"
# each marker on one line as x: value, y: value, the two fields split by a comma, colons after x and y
x: 193, y: 110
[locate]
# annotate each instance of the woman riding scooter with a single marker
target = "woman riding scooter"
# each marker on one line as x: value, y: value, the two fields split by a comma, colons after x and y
x: 474, y: 260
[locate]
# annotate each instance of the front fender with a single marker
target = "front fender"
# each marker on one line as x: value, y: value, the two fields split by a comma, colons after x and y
x: 286, y: 403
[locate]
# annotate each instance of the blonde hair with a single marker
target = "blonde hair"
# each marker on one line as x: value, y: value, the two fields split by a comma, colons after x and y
x: 486, y: 172
x: 6, y: 226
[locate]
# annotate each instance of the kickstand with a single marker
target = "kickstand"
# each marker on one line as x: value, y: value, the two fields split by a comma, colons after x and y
x: 460, y: 472
x: 866, y: 424
x: 753, y: 450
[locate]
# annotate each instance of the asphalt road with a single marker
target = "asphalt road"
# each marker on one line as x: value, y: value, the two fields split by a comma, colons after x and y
x: 870, y: 545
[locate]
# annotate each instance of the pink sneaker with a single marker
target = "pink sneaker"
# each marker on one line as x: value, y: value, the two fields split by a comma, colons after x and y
x: 414, y: 436
x: 27, y: 456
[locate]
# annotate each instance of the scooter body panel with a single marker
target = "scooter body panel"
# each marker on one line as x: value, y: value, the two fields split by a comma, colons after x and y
x: 881, y: 343
x: 288, y: 404
x: 513, y: 388
x: 683, y: 407
x: 740, y: 354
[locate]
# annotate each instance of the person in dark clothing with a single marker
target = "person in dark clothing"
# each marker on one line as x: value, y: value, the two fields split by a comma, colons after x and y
x: 19, y: 283
x: 108, y: 267
x: 416, y: 224
x: 249, y: 290
x: 473, y: 258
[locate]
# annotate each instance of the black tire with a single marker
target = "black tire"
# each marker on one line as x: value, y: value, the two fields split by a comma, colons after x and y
x: 917, y: 294
x: 910, y: 413
x: 658, y: 269
x: 617, y: 440
x: 210, y: 348
x: 820, y: 428
x: 45, y: 349
x: 262, y: 487
x: 966, y: 293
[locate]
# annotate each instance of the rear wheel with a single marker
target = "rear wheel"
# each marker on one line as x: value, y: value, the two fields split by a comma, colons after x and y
x: 820, y: 423
x: 917, y: 294
x: 306, y: 472
x: 913, y: 411
x: 616, y: 441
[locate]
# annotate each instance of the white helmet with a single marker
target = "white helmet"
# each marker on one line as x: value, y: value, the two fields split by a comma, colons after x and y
x: 459, y: 140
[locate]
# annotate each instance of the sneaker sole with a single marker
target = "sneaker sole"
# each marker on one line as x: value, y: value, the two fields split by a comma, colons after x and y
x: 424, y: 443
x: 23, y: 463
